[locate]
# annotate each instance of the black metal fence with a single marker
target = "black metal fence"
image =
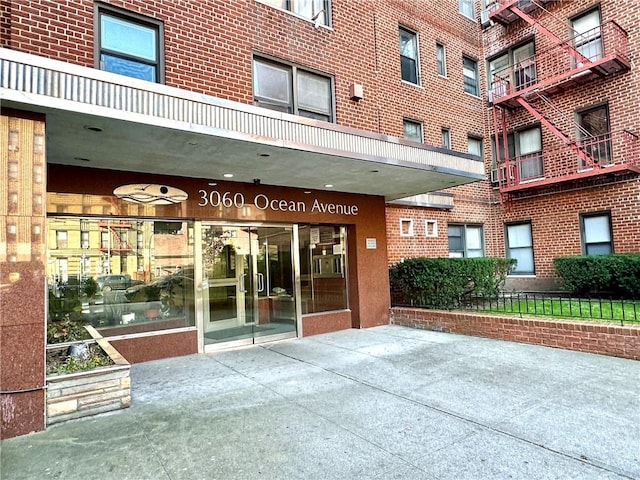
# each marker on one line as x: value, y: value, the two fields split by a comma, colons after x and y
x: 547, y: 304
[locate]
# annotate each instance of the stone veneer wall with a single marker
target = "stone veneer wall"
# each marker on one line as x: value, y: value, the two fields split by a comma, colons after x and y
x: 91, y: 392
x: 606, y: 339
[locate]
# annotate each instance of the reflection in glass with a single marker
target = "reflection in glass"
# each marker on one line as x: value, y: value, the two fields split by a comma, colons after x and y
x: 121, y: 276
x: 323, y: 268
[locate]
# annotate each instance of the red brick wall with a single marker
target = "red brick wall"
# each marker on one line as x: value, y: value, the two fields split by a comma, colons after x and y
x: 614, y: 340
x: 554, y: 214
x: 209, y: 46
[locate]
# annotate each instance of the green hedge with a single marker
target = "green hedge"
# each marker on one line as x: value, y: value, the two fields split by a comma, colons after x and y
x: 598, y: 275
x: 443, y: 282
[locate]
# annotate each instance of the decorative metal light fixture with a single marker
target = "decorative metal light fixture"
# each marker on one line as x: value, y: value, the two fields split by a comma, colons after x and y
x: 150, y: 194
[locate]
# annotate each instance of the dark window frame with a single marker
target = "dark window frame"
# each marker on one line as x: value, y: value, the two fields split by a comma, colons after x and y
x: 409, y: 121
x: 583, y: 233
x: 409, y: 67
x: 471, y: 88
x: 599, y: 146
x: 465, y: 250
x: 101, y: 9
x: 509, y: 249
x: 293, y: 107
x: 441, y: 63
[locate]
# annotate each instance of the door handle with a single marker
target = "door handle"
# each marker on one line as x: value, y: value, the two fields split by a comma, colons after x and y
x: 241, y: 283
x: 260, y: 283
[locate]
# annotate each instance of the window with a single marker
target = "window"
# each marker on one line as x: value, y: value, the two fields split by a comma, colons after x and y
x: 446, y: 138
x: 525, y: 155
x: 84, y: 240
x: 323, y: 268
x: 587, y: 35
x: 316, y: 10
x: 122, y: 298
x: 466, y: 8
x: 596, y: 234
x: 430, y: 228
x: 529, y: 151
x: 513, y: 70
x: 409, y: 56
x: 470, y: 73
x: 594, y: 132
x: 466, y: 241
x: 520, y: 247
x: 61, y: 239
x: 290, y: 89
x: 129, y: 45
x: 474, y: 146
x: 413, y: 131
x: 406, y: 227
x: 441, y: 59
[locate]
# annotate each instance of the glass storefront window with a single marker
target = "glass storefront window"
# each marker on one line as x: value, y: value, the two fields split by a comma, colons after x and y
x: 122, y: 276
x: 323, y: 268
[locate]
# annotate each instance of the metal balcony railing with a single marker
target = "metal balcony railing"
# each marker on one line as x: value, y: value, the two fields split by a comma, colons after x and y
x: 608, y: 153
x: 603, y: 50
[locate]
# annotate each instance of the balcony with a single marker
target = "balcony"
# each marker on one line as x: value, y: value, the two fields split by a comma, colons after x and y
x: 500, y: 10
x: 602, y: 51
x: 615, y: 152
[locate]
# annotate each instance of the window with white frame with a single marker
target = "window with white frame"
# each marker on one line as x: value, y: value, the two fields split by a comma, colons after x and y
x: 441, y: 60
x: 595, y: 229
x: 474, y: 145
x: 519, y: 242
x: 466, y: 8
x: 409, y: 56
x: 290, y: 89
x: 430, y: 228
x: 446, y: 138
x: 470, y: 74
x: 129, y: 44
x: 465, y: 241
x: 316, y: 10
x: 413, y: 130
x: 406, y: 227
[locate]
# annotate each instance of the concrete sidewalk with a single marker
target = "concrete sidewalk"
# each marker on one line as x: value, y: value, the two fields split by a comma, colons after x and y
x: 383, y: 403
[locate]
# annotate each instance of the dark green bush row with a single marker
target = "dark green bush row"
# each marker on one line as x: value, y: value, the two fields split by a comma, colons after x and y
x: 445, y: 282
x: 616, y: 275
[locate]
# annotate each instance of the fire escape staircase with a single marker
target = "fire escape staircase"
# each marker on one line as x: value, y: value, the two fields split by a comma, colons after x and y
x: 564, y: 66
x: 116, y: 244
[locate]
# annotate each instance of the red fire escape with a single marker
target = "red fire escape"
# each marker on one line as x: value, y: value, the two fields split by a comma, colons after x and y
x: 586, y: 56
x: 117, y: 240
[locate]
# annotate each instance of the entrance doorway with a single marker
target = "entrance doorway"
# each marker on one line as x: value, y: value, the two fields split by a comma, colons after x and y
x: 248, y: 284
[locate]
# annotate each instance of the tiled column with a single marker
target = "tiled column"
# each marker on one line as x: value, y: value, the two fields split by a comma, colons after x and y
x: 22, y: 273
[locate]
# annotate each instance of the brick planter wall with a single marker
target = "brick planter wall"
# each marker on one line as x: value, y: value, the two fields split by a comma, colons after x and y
x: 606, y: 339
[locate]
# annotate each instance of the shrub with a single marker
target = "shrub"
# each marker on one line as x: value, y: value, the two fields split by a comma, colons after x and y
x: 616, y: 275
x: 442, y: 282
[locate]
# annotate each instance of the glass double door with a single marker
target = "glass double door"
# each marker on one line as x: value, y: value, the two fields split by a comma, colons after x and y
x: 248, y: 287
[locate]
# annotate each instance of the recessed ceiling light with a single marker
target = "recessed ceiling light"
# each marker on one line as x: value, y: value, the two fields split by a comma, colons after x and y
x: 329, y: 185
x: 307, y: 192
x: 92, y: 128
x: 228, y: 175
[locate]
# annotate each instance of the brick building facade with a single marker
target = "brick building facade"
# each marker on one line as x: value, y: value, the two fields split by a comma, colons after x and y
x: 287, y: 152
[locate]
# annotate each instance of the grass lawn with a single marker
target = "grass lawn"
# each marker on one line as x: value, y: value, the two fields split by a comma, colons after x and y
x: 618, y: 311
